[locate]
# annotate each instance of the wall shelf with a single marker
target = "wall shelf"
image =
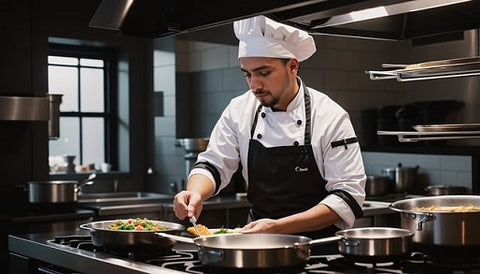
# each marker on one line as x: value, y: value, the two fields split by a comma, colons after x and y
x: 452, y: 68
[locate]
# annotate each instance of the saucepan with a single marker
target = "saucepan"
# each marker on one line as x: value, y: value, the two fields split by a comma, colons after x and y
x: 131, y: 240
x: 59, y: 191
x: 267, y: 251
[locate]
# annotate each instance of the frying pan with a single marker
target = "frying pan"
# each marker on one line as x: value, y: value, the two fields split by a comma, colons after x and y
x: 266, y: 251
x: 131, y: 240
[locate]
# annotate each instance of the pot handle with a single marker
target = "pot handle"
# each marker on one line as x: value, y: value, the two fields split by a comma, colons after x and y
x: 88, y: 181
x: 176, y: 237
x: 324, y: 240
x: 419, y: 225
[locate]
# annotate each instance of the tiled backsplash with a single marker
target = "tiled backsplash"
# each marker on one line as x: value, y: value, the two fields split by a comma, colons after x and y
x: 433, y: 169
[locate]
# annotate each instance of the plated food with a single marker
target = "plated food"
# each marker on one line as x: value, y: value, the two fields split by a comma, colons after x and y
x: 138, y: 224
x: 462, y: 208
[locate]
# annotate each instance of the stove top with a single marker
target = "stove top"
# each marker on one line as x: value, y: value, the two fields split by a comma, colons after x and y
x: 76, y: 250
x: 186, y: 260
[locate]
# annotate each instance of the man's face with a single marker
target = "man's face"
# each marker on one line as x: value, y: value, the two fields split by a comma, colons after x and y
x: 272, y: 80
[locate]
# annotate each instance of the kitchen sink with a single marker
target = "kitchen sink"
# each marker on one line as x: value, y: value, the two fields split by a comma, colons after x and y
x: 123, y: 198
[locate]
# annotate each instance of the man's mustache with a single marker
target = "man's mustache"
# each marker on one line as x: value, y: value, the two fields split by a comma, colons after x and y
x: 260, y: 91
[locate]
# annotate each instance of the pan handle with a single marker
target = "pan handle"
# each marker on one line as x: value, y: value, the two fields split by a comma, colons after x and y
x: 325, y: 240
x: 175, y: 237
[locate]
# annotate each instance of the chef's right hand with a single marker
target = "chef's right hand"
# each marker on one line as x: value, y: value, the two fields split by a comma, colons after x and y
x: 187, y: 204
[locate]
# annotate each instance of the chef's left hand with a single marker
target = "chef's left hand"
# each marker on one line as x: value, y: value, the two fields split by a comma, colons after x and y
x: 260, y: 226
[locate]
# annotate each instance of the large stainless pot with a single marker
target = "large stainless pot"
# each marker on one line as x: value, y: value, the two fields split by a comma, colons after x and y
x: 441, y: 228
x: 59, y: 191
x: 279, y: 251
x: 131, y: 240
x: 404, y: 178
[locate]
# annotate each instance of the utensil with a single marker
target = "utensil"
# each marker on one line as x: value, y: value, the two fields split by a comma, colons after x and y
x: 194, y: 223
x: 404, y: 178
x: 441, y: 228
x: 281, y: 251
x: 131, y: 240
x: 59, y: 191
x: 378, y: 186
x: 447, y: 127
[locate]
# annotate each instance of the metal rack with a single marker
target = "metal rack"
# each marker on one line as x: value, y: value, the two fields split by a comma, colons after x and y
x: 415, y: 136
x: 443, y: 69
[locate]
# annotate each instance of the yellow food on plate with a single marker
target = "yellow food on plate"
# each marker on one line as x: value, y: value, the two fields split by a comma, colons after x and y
x: 203, y: 230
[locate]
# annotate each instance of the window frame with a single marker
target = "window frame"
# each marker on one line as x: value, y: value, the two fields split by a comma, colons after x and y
x: 110, y: 113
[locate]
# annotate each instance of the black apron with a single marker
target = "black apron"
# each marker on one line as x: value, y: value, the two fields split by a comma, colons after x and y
x: 285, y: 180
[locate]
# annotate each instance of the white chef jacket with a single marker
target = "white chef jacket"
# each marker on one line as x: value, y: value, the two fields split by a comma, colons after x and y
x: 341, y: 167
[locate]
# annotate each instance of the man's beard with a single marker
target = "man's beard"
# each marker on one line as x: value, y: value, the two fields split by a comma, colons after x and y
x: 270, y: 104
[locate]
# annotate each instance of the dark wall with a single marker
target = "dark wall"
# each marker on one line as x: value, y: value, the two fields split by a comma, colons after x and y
x: 26, y: 28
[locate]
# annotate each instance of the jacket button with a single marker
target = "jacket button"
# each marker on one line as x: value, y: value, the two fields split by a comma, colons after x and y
x: 299, y: 122
x: 263, y: 114
x: 259, y: 136
x: 296, y: 143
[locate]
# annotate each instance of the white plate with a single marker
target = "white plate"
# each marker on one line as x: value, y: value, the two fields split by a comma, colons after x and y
x: 230, y: 231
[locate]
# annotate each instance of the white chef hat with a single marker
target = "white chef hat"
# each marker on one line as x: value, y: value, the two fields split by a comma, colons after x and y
x: 262, y: 37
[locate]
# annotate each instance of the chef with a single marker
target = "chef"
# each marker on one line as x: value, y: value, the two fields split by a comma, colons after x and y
x: 298, y: 150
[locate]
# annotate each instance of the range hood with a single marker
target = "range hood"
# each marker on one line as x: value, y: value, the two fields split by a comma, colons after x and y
x: 376, y: 19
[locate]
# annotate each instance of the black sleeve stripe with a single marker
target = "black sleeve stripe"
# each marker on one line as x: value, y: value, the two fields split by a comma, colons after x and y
x: 344, y: 142
x: 356, y: 208
x: 213, y: 170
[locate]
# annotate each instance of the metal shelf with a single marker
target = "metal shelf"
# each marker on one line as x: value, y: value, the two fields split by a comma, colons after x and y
x: 415, y: 136
x: 452, y: 68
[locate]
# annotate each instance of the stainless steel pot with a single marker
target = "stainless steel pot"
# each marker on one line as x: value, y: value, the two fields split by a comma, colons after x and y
x: 404, y: 178
x: 59, y: 191
x: 265, y: 251
x: 378, y: 186
x: 438, y: 190
x: 131, y: 240
x: 441, y: 228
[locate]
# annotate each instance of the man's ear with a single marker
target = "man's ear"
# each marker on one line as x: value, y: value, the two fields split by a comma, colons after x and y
x: 293, y: 65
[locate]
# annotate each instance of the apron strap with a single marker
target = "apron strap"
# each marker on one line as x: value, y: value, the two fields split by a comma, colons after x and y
x: 308, y: 111
x: 252, y: 129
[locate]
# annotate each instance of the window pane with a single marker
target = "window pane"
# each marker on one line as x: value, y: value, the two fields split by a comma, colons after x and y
x: 68, y: 142
x: 64, y: 80
x: 58, y: 60
x: 93, y: 141
x: 91, y: 62
x: 91, y: 90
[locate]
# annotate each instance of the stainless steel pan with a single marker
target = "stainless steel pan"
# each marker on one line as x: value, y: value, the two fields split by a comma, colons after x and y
x: 265, y: 251
x: 131, y: 240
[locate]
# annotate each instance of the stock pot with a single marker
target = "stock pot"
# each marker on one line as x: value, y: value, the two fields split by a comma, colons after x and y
x: 441, y: 228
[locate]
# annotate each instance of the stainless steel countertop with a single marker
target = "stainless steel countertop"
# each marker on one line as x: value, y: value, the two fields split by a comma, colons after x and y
x: 37, y: 246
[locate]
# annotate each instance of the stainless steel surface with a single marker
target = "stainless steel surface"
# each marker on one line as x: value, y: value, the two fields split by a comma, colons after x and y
x: 123, y: 198
x: 416, y: 136
x: 391, y: 20
x: 59, y: 191
x: 37, y: 246
x: 194, y: 144
x: 378, y: 185
x: 374, y: 242
x: 443, y: 69
x: 16, y: 108
x: 438, y: 190
x: 121, y: 240
x: 54, y: 101
x: 52, y: 191
x: 447, y: 127
x: 441, y: 228
x: 404, y: 178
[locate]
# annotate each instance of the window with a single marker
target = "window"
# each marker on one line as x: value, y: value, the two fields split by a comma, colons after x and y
x: 87, y: 113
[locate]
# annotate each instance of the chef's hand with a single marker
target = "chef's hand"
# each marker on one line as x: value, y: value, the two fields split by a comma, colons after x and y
x: 260, y: 226
x: 187, y: 204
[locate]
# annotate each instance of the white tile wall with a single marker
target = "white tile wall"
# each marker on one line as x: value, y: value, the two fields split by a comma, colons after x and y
x: 433, y: 169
